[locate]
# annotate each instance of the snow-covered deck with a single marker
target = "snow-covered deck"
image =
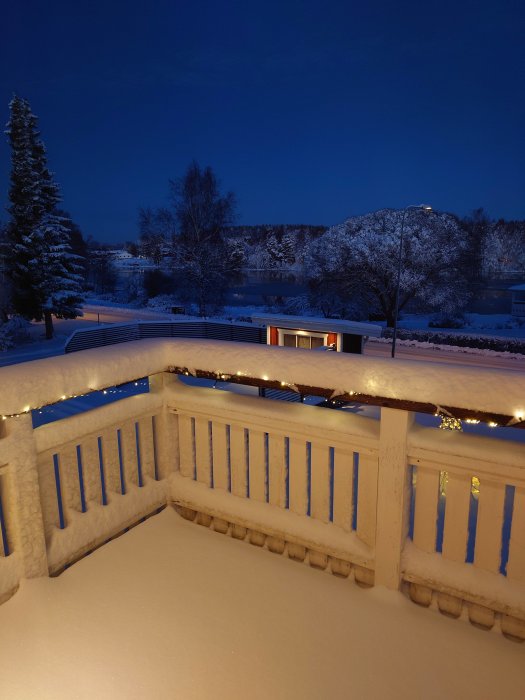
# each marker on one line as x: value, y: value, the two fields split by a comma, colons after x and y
x: 173, y: 610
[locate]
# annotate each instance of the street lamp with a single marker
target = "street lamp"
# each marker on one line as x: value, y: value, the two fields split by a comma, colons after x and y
x: 423, y: 207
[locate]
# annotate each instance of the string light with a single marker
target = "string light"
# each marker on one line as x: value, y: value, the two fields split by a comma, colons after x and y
x: 450, y: 423
x: 63, y: 397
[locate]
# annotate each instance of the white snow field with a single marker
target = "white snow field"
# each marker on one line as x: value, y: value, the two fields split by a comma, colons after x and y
x: 173, y: 610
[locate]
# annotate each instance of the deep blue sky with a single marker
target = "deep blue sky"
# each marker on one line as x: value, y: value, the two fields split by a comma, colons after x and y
x: 309, y: 111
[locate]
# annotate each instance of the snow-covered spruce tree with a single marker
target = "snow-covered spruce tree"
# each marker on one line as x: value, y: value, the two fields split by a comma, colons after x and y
x: 4, y: 283
x: 44, y: 275
x: 56, y: 272
x: 359, y: 259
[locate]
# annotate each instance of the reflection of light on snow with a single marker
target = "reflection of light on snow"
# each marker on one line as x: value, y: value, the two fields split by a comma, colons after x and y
x: 371, y: 385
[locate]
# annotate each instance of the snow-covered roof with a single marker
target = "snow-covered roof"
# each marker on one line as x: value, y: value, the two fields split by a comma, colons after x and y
x: 316, y: 323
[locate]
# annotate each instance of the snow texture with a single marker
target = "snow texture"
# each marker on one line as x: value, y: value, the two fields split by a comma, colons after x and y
x: 100, y: 522
x: 325, y: 537
x: 172, y: 610
x: 45, y: 381
x: 493, y: 590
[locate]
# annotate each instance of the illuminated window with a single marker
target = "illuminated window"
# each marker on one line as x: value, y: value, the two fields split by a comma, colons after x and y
x: 302, y: 339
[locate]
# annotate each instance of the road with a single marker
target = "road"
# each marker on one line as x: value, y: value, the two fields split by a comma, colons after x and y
x: 103, y: 315
x: 453, y: 357
x: 106, y: 314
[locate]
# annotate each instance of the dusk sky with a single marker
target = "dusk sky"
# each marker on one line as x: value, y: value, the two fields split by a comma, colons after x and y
x: 310, y: 112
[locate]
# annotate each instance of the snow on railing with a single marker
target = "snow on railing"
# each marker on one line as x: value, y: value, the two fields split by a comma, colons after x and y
x: 386, y: 501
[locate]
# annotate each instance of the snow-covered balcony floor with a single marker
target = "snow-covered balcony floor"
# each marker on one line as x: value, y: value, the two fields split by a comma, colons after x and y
x: 173, y: 610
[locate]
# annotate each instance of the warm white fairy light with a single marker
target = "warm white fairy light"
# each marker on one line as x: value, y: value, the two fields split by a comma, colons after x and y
x: 450, y: 423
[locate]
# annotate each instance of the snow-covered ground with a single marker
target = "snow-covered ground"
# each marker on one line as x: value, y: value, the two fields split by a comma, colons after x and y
x: 172, y: 610
x: 502, y: 325
x: 103, y: 312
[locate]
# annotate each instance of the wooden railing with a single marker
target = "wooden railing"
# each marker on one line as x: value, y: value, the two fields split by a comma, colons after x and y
x: 440, y: 515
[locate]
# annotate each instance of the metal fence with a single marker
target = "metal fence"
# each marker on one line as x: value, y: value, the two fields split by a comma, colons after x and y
x: 125, y: 332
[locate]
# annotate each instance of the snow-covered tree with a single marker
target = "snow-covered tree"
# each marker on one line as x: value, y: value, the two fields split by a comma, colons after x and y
x: 156, y: 229
x: 274, y: 250
x: 358, y: 261
x: 477, y: 226
x: 504, y: 250
x: 288, y: 245
x: 4, y: 283
x: 55, y: 272
x: 200, y: 253
x: 43, y: 273
x: 236, y: 251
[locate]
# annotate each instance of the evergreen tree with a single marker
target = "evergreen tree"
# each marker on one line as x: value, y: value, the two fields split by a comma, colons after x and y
x: 288, y: 248
x: 44, y: 274
x: 4, y: 285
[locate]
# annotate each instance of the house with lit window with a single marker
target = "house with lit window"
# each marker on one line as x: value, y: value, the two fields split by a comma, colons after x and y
x: 313, y: 333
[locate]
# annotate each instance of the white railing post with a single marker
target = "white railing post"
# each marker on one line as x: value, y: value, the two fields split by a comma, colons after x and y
x: 392, y: 496
x: 24, y: 507
x: 166, y: 427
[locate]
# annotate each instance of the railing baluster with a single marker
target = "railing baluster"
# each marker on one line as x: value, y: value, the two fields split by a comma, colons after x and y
x: 80, y: 469
x: 238, y: 461
x: 122, y: 473
x: 155, y: 448
x: 139, y: 455
x: 202, y: 451
x: 104, y: 497
x: 220, y: 456
x: 320, y: 503
x: 277, y: 473
x: 257, y: 466
x: 343, y: 476
x: 186, y: 445
x: 3, y: 527
x: 516, y: 563
x: 56, y: 466
x: 490, y: 526
x: 425, y: 512
x: 298, y: 476
x: 456, y: 516
x: 367, y: 499
x: 147, y: 448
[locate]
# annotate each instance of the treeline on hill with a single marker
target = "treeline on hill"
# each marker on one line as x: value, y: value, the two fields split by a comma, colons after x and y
x: 352, y: 268
x: 195, y: 251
